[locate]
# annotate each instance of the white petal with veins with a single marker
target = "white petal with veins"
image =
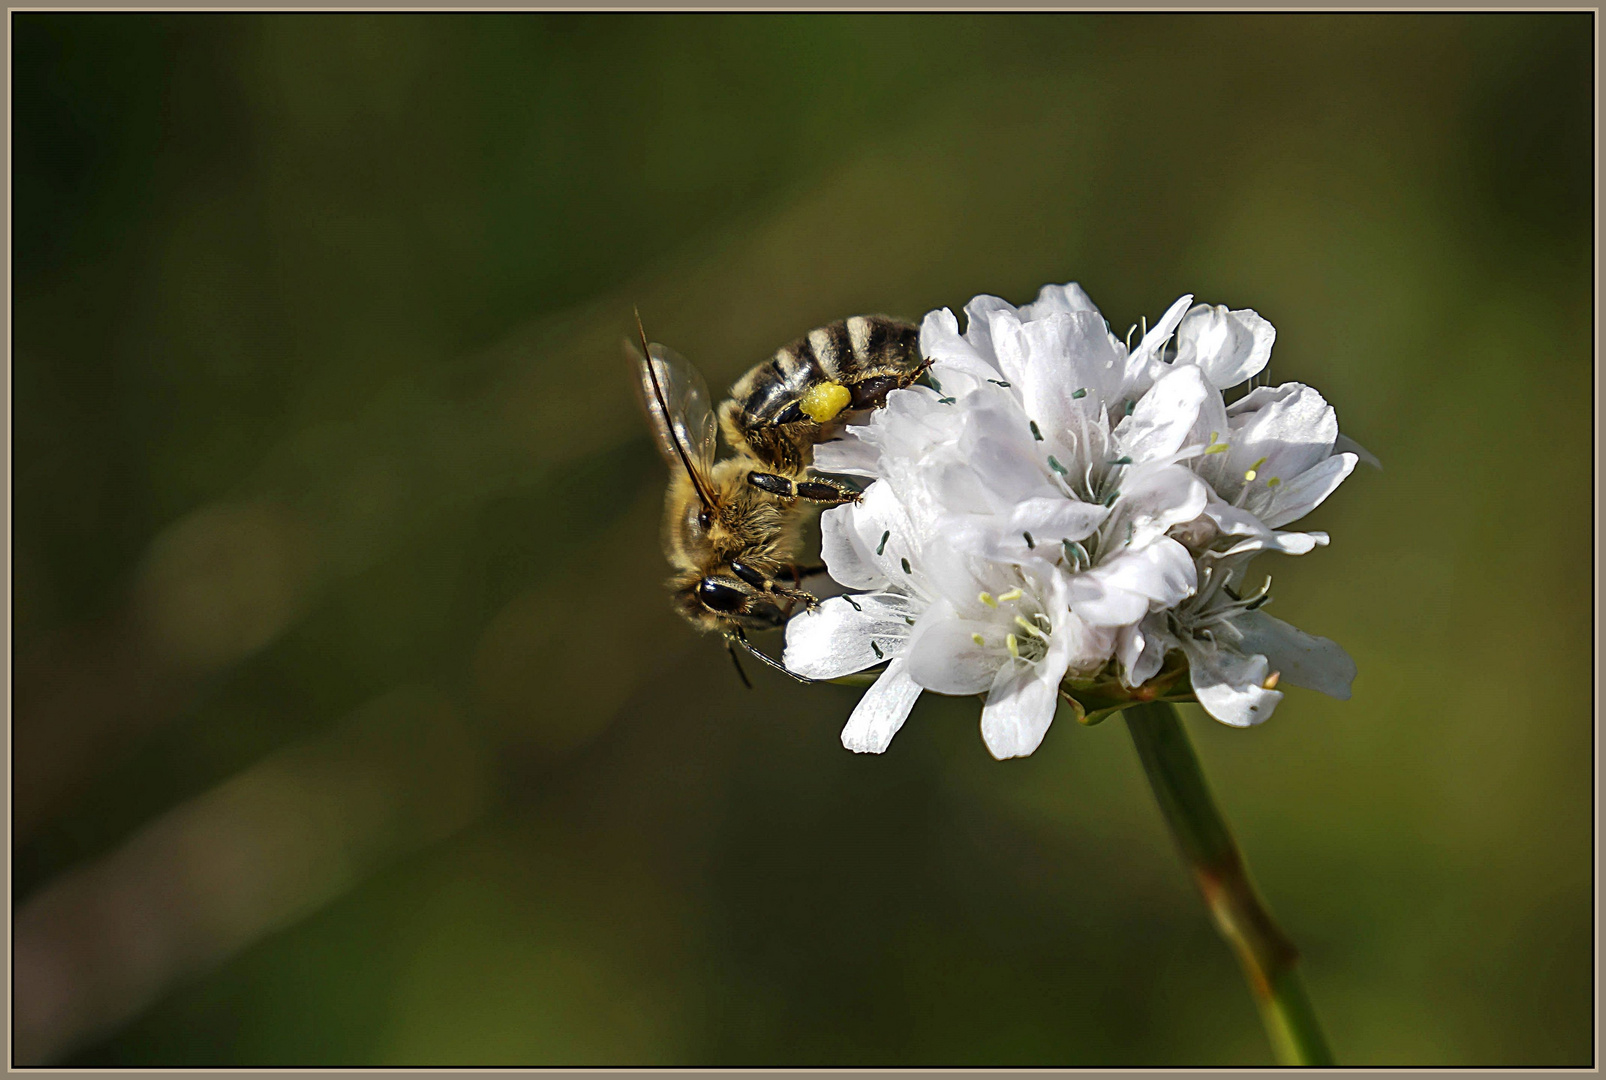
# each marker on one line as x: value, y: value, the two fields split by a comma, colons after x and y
x: 881, y: 711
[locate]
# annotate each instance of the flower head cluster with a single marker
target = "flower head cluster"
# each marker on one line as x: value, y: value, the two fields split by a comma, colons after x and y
x: 1060, y: 512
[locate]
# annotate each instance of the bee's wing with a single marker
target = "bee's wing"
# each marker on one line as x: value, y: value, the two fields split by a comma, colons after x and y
x: 677, y: 403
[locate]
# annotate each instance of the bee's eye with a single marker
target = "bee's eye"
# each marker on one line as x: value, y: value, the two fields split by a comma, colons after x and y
x: 705, y: 518
x: 717, y: 596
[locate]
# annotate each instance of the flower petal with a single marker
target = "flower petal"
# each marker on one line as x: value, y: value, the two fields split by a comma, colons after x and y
x: 849, y: 559
x: 1002, y: 538
x: 1068, y: 373
x: 1230, y: 347
x: 1161, y: 331
x: 953, y: 356
x: 1235, y: 521
x: 1124, y: 588
x: 1346, y: 445
x: 1069, y: 297
x: 849, y: 456
x: 1229, y: 684
x: 978, y: 323
x: 1021, y: 705
x: 1141, y: 649
x: 1300, y: 658
x: 881, y: 711
x: 1163, y: 417
x: 1153, y: 499
x: 1291, y: 430
x: 942, y: 654
x: 1099, y: 605
x: 1299, y: 496
x: 841, y: 635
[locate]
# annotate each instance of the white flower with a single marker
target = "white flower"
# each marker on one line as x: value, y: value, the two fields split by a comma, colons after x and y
x: 1057, y: 505
x: 1237, y: 654
x: 944, y: 621
x: 1058, y: 455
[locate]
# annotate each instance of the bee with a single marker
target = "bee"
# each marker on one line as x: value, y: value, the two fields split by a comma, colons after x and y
x: 733, y: 526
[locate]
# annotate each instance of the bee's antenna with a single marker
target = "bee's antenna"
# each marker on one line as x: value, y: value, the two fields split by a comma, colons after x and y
x: 663, y: 407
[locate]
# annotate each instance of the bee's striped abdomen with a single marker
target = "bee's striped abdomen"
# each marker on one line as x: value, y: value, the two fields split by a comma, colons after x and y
x: 779, y: 410
x: 848, y: 352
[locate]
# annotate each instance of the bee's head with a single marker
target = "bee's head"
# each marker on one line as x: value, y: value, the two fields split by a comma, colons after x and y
x: 738, y: 520
x: 729, y: 595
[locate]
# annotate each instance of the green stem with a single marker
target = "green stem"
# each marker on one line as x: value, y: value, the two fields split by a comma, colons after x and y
x: 1268, y: 957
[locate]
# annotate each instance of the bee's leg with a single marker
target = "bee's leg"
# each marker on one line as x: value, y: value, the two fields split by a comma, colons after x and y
x: 821, y: 491
x: 872, y: 393
x: 730, y: 647
x: 770, y: 587
x: 793, y: 597
x: 737, y: 636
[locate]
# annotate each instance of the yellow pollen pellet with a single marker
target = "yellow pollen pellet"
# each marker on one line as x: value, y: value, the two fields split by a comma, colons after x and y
x: 822, y: 401
x: 987, y: 598
x: 1253, y: 469
x: 978, y: 639
x: 1013, y: 594
x: 1271, y: 681
x: 1014, y: 646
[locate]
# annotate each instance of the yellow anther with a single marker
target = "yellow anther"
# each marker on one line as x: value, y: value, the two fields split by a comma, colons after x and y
x: 1014, y: 646
x: 1253, y: 469
x: 978, y: 639
x: 987, y: 598
x: 1216, y: 448
x: 1273, y: 482
x: 1271, y: 681
x: 1013, y: 594
x: 822, y: 401
x: 1028, y: 627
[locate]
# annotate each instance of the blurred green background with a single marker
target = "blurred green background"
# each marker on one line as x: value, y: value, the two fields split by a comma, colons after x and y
x: 352, y: 725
